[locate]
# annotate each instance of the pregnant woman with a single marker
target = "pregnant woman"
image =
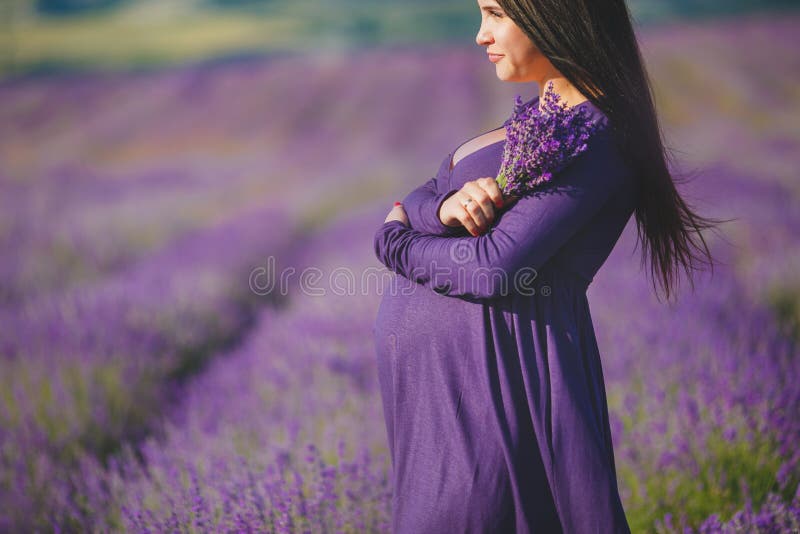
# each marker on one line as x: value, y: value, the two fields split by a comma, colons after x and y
x: 489, y: 369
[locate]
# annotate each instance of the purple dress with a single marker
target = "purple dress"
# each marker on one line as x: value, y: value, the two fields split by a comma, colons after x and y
x: 490, y: 374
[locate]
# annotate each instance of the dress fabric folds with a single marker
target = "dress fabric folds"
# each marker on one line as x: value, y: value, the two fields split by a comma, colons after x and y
x: 489, y: 369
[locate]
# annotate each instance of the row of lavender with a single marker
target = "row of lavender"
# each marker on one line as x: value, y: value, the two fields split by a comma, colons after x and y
x: 135, y: 209
x: 702, y: 391
x: 284, y: 433
x: 122, y: 270
x: 84, y: 370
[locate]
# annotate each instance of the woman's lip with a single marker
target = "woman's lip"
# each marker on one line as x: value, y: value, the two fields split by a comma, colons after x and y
x: 494, y: 58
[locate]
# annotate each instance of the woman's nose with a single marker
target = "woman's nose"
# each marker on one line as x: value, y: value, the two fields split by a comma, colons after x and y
x: 483, y: 37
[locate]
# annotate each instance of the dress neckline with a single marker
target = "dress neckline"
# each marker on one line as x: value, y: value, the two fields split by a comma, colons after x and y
x: 533, y: 101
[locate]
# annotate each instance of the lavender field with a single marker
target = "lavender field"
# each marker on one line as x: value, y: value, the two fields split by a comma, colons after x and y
x: 150, y: 381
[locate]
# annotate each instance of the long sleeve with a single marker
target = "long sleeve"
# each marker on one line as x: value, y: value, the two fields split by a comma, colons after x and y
x: 522, y: 239
x: 423, y: 203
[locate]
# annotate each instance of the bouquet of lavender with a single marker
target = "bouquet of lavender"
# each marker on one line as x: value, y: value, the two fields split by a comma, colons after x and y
x: 539, y: 143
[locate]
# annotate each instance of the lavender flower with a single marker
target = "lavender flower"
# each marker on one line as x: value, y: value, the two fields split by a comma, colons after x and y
x: 541, y: 142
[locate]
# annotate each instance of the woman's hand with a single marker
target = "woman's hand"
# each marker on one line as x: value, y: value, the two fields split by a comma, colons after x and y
x: 398, y: 213
x: 474, y: 205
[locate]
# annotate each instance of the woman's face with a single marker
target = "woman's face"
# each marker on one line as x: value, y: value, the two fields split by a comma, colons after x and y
x: 519, y: 60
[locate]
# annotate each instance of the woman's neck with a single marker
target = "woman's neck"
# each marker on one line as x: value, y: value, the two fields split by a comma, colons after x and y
x: 562, y: 87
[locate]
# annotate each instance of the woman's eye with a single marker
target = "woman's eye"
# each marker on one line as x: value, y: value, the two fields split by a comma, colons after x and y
x: 494, y: 14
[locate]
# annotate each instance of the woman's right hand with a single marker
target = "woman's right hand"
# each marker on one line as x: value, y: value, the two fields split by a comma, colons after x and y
x: 485, y: 198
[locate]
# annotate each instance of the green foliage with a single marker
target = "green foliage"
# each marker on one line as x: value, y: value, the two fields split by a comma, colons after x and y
x: 785, y: 304
x: 723, y: 475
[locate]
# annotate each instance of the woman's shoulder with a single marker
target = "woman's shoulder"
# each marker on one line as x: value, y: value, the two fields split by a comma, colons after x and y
x: 600, y: 163
x: 604, y: 145
x: 604, y: 154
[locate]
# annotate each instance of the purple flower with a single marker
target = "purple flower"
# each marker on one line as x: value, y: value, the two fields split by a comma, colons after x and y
x: 542, y: 141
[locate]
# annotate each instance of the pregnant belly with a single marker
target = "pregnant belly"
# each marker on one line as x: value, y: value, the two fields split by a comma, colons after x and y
x: 403, y: 310
x: 410, y: 313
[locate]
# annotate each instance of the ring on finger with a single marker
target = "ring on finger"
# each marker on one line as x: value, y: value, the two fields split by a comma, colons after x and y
x: 466, y: 202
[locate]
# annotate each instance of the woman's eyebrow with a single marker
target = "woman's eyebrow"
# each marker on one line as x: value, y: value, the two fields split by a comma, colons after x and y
x: 491, y: 7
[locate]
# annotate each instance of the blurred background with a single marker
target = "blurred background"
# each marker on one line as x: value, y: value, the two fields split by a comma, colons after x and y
x: 160, y: 159
x: 58, y: 34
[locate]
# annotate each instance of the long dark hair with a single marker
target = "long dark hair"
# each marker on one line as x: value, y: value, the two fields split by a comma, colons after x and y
x: 592, y: 43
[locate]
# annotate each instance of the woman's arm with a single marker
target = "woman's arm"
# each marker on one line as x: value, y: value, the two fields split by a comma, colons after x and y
x: 525, y: 236
x: 423, y: 203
